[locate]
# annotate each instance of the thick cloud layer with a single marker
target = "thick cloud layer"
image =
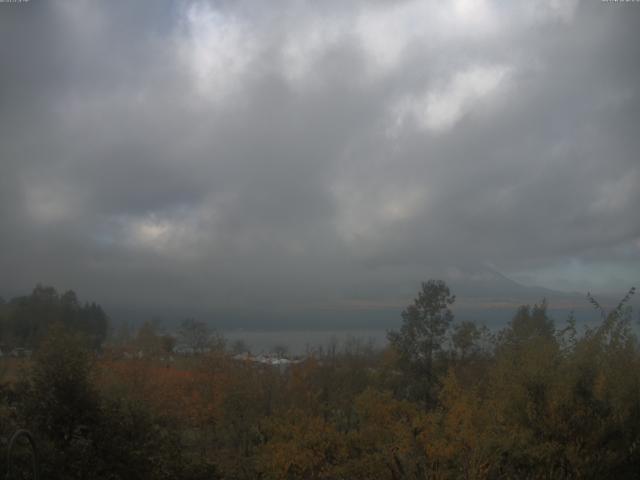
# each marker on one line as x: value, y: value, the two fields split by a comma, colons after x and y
x: 316, y: 154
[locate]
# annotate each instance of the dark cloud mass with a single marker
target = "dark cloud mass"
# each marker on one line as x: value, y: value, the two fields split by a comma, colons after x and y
x: 303, y: 154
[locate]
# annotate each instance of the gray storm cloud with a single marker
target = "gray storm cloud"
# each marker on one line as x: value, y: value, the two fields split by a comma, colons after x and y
x: 312, y: 153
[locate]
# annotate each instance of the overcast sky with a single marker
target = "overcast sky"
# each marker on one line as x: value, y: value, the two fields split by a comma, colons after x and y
x: 316, y: 153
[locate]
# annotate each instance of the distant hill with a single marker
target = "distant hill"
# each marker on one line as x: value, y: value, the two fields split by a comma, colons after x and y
x: 488, y: 285
x: 483, y: 295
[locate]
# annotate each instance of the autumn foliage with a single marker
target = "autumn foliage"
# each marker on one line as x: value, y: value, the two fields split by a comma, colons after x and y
x: 534, y: 400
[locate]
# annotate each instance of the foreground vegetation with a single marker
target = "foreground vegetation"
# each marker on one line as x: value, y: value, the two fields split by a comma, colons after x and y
x: 445, y: 400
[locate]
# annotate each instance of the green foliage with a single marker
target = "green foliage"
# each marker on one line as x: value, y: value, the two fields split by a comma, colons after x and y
x: 60, y: 402
x: 422, y: 334
x: 60, y: 399
x: 556, y: 405
x: 528, y: 325
x: 82, y: 434
x: 470, y: 340
x: 129, y: 442
x: 27, y: 319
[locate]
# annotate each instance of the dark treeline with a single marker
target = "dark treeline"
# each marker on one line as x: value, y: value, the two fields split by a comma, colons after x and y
x: 444, y: 400
x: 25, y: 320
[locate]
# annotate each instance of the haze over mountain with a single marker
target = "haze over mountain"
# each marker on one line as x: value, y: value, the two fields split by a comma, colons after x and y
x: 484, y: 296
x: 315, y: 161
